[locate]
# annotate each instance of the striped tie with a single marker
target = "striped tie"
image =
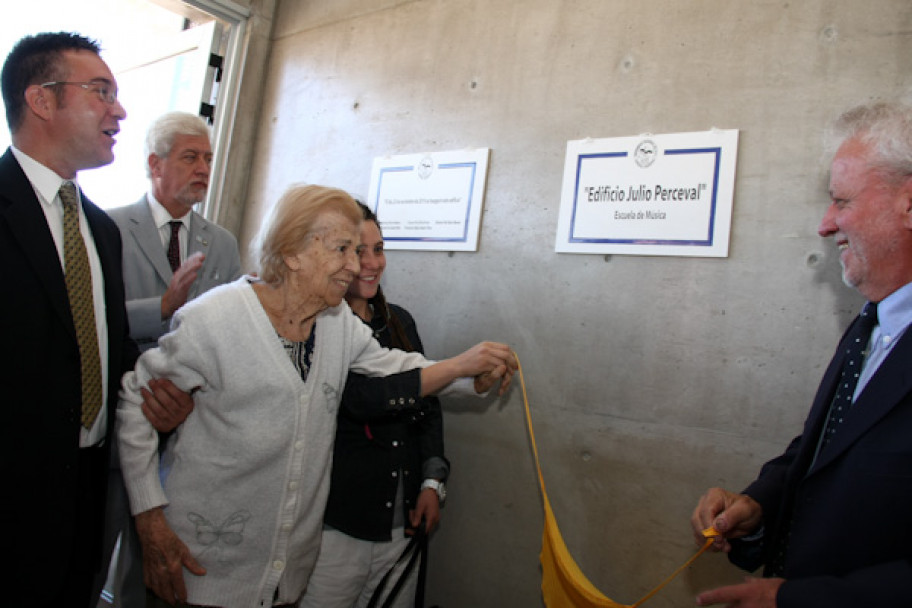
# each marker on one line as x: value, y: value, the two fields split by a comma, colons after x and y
x: 82, y: 306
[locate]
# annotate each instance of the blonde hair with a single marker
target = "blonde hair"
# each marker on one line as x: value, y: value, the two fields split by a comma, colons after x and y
x: 292, y: 222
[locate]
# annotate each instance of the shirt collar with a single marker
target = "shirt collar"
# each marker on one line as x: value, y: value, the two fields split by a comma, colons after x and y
x: 160, y: 215
x: 894, y: 313
x: 44, y: 180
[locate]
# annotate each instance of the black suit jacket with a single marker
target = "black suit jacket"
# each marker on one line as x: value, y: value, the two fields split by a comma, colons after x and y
x: 41, y: 382
x: 847, y: 518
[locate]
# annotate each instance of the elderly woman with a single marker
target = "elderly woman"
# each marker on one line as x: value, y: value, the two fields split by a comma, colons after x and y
x: 239, y: 493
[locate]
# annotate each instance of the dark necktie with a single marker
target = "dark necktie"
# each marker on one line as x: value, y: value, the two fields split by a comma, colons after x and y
x: 855, y: 354
x: 174, y: 256
x: 82, y: 306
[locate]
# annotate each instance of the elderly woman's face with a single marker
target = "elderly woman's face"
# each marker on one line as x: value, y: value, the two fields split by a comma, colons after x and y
x: 329, y: 262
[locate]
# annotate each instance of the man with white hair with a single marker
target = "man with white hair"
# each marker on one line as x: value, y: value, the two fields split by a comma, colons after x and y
x: 171, y: 253
x: 828, y: 519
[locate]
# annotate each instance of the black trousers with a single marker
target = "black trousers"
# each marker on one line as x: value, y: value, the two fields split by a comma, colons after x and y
x: 85, y: 551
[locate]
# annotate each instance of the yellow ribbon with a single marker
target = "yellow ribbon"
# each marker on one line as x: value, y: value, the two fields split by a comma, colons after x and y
x: 563, y: 583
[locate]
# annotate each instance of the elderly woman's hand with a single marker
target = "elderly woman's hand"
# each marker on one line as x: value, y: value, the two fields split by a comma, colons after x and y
x: 486, y: 362
x: 491, y: 362
x: 485, y: 357
x: 164, y: 557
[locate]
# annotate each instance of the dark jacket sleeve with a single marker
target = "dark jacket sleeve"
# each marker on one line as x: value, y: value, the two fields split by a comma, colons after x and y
x: 769, y: 487
x: 365, y: 399
x: 767, y: 490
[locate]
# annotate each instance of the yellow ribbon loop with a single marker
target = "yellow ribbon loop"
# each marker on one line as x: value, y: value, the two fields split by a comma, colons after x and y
x: 563, y: 583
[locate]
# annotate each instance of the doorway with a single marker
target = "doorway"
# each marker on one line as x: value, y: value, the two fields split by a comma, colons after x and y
x: 174, y: 61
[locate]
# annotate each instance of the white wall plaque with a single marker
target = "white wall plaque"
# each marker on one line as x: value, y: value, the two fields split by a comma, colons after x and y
x: 665, y: 194
x: 430, y: 201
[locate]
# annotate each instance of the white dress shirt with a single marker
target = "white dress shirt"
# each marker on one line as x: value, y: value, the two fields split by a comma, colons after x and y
x: 46, y: 183
x: 163, y: 219
x: 894, y: 315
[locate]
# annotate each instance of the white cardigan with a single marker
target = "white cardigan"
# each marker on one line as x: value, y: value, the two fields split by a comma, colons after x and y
x: 245, y: 478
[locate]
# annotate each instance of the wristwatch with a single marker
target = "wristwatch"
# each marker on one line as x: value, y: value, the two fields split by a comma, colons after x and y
x: 437, y: 486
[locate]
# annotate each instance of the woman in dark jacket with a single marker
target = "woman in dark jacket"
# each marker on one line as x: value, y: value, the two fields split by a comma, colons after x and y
x: 388, y: 472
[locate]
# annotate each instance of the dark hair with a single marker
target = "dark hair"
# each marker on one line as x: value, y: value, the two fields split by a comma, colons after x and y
x: 398, y: 338
x: 34, y: 60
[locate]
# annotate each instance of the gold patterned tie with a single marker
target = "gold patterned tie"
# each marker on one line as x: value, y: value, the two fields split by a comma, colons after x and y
x: 79, y: 290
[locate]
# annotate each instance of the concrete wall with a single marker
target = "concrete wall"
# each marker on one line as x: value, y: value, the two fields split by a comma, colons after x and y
x: 650, y: 378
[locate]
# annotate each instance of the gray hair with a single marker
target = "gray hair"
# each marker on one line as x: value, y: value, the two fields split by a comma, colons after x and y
x: 884, y: 126
x: 292, y: 222
x: 162, y: 133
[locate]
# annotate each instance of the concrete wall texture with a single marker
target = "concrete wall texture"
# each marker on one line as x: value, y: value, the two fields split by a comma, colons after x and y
x: 650, y: 378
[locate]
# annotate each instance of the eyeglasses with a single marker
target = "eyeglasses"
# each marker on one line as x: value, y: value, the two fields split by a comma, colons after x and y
x: 105, y: 90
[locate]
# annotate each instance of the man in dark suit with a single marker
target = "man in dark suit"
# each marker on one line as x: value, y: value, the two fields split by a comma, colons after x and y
x: 66, y: 339
x: 829, y: 518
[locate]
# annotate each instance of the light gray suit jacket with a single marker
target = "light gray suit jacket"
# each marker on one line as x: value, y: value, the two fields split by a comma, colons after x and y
x: 147, y: 272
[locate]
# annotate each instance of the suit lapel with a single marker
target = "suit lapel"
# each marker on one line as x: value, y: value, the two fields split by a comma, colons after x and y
x: 889, y: 385
x: 144, y: 231
x: 22, y: 210
x: 199, y: 239
x: 108, y: 253
x: 199, y: 236
x: 93, y: 217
